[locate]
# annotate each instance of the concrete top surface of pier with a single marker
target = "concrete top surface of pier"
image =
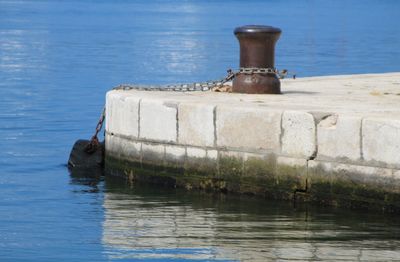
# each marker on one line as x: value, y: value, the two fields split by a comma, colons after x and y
x: 365, y: 95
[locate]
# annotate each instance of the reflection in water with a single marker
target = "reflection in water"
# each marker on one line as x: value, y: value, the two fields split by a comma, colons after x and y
x: 16, y: 53
x: 160, y: 223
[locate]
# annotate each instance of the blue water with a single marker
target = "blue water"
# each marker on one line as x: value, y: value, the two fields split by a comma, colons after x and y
x: 57, y: 60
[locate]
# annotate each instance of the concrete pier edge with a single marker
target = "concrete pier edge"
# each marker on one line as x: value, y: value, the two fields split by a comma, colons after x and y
x: 333, y: 140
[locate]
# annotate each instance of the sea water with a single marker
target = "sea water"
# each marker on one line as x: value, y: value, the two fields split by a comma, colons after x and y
x: 59, y: 58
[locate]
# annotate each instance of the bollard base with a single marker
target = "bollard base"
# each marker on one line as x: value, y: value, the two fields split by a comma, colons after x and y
x: 256, y: 84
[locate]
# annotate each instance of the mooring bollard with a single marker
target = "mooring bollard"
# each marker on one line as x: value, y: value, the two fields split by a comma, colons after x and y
x: 257, y: 55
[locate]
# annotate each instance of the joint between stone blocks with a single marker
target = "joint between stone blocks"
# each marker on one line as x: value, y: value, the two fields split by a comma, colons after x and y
x: 215, y: 125
x: 138, y: 122
x: 361, y: 140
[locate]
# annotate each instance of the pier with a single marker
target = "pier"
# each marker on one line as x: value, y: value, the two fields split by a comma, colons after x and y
x: 333, y: 140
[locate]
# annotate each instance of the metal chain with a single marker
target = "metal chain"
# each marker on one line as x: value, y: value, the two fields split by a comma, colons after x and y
x: 94, y: 143
x: 201, y: 86
x: 208, y: 85
x: 256, y: 70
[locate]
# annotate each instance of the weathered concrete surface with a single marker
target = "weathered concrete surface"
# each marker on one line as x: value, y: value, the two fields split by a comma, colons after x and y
x: 123, y: 109
x: 339, y: 137
x: 334, y: 137
x: 247, y: 127
x: 191, y: 116
x: 157, y: 120
x: 381, y: 140
x: 298, y: 134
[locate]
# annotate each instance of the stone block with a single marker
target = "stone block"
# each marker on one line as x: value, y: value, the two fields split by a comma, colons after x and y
x: 341, y: 167
x: 194, y: 152
x: 175, y: 156
x: 197, y: 163
x: 175, y: 152
x: 122, y: 114
x: 291, y: 172
x: 122, y: 148
x: 298, y: 134
x: 396, y: 174
x: 230, y: 169
x: 158, y: 120
x: 272, y: 176
x: 339, y: 137
x: 358, y: 180
x: 109, y: 144
x: 251, y: 127
x: 381, y: 141
x: 196, y: 124
x: 292, y: 162
x: 246, y: 156
x: 261, y: 167
x: 233, y: 154
x: 212, y: 154
x: 153, y: 154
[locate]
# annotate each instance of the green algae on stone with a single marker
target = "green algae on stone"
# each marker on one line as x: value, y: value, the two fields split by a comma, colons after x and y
x: 203, y: 167
x: 262, y: 176
x: 348, y: 189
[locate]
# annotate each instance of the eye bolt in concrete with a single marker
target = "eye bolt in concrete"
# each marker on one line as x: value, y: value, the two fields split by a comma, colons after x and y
x: 257, y: 52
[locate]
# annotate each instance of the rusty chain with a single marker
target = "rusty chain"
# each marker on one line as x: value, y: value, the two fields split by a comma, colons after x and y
x: 94, y: 141
x: 208, y: 85
x: 200, y: 86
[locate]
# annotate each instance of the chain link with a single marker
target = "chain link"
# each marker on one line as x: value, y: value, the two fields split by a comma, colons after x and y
x: 200, y: 86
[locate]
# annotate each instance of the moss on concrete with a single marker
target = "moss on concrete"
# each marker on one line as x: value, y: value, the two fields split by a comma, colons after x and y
x: 256, y: 176
x: 348, y: 189
x: 262, y: 177
x: 157, y: 173
x: 201, y: 167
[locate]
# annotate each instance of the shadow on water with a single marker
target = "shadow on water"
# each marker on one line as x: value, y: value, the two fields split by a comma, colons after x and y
x: 89, y: 178
x: 144, y: 221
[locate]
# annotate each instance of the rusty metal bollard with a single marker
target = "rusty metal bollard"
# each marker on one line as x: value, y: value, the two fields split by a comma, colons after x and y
x: 257, y: 50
